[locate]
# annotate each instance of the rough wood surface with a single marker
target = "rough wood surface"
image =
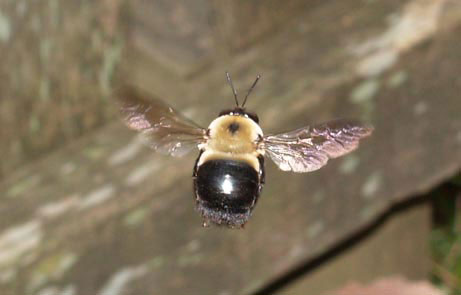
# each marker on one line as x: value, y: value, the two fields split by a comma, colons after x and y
x: 240, y: 24
x: 181, y: 38
x: 107, y: 215
x: 398, y: 247
x: 58, y: 57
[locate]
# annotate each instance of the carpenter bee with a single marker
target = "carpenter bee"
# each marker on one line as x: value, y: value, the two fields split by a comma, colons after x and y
x: 228, y: 175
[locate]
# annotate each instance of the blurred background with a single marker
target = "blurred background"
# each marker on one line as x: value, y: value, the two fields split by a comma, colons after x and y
x: 85, y: 208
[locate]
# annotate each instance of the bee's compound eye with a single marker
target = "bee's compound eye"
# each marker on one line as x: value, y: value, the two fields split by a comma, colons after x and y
x: 253, y: 117
x: 225, y: 112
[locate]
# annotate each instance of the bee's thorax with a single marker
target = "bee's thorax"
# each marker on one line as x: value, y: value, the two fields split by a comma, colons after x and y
x: 233, y: 134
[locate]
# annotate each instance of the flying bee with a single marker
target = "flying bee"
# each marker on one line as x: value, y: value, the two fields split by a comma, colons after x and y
x: 228, y: 174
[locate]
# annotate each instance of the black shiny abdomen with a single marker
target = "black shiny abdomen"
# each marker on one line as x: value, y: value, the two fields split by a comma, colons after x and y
x: 226, y: 190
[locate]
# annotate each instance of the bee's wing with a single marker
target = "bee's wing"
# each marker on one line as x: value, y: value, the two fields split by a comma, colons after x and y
x: 309, y: 148
x: 164, y: 129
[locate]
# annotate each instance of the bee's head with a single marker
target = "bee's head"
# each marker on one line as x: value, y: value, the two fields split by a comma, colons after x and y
x: 239, y: 110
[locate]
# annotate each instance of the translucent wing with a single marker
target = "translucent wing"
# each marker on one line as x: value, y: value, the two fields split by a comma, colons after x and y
x: 309, y: 148
x: 165, y: 130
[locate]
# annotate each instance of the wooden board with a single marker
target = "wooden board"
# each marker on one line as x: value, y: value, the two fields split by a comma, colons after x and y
x: 107, y: 215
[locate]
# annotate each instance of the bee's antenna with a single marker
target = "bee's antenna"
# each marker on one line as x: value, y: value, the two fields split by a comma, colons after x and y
x: 229, y: 80
x: 251, y: 88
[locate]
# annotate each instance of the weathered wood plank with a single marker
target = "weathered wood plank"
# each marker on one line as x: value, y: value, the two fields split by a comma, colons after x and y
x: 57, y: 57
x: 181, y: 38
x: 106, y: 215
x: 391, y: 250
x: 240, y: 24
x: 176, y: 35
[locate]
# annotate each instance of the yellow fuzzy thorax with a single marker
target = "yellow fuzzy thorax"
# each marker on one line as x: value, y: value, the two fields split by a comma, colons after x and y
x: 234, y: 134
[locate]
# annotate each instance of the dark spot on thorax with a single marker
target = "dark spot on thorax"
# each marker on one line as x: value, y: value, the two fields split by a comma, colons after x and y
x: 233, y: 127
